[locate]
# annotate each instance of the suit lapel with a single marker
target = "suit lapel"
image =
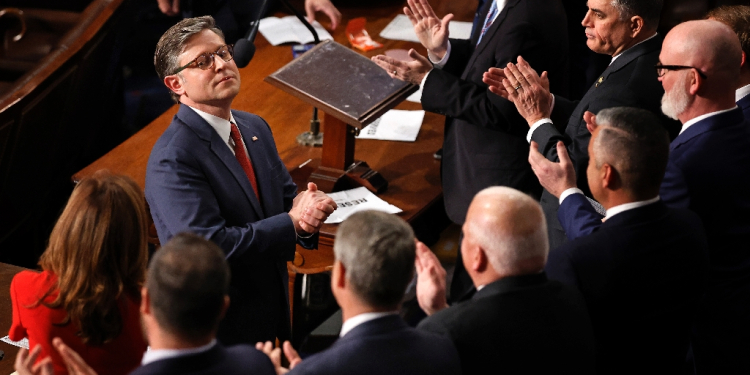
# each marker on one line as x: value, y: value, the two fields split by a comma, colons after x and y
x: 219, y: 148
x: 492, y: 31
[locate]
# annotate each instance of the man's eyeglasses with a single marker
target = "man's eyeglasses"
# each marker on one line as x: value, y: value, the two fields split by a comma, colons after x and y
x: 206, y: 60
x: 661, y: 70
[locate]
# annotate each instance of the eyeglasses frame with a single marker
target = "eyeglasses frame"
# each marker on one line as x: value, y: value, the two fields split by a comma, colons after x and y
x: 212, y: 56
x: 666, y: 68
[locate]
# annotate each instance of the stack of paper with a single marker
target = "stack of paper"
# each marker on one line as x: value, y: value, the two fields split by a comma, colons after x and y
x: 401, y: 29
x: 394, y: 125
x: 290, y: 30
x: 355, y: 200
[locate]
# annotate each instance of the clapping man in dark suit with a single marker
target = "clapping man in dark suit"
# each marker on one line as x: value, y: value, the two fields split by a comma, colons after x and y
x: 185, y: 296
x: 738, y: 18
x: 374, y: 263
x: 642, y: 272
x: 699, y: 68
x: 216, y: 172
x: 517, y: 318
x: 625, y: 30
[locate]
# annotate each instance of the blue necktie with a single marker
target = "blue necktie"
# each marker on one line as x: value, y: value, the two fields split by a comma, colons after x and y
x: 477, y: 19
x: 488, y: 21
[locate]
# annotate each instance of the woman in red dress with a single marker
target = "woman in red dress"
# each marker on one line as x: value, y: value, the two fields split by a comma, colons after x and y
x: 88, y: 292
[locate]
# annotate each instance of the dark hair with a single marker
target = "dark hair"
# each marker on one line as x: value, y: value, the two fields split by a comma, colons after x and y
x: 633, y: 141
x: 98, y: 252
x: 187, y: 281
x: 172, y: 44
x: 736, y: 17
x: 649, y: 10
x: 378, y: 250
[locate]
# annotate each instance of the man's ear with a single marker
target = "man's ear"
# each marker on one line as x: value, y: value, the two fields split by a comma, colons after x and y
x: 224, y: 307
x: 174, y: 83
x: 338, y: 275
x: 636, y: 26
x: 479, y: 261
x: 743, y: 63
x: 610, y: 177
x: 145, y: 301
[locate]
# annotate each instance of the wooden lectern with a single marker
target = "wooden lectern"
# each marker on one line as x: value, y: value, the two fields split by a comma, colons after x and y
x: 352, y: 91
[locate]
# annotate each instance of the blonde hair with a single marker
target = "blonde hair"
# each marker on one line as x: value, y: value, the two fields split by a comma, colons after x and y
x: 98, y: 251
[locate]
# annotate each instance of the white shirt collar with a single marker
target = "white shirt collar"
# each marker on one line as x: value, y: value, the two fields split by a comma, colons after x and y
x: 356, y: 320
x: 221, y: 126
x: 692, y: 121
x: 629, y: 206
x: 159, y: 354
x: 741, y: 93
x: 642, y: 41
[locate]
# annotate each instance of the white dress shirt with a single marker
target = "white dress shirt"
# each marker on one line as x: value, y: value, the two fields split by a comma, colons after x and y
x: 741, y: 93
x: 221, y: 126
x: 356, y: 320
x: 159, y: 354
x: 612, y: 211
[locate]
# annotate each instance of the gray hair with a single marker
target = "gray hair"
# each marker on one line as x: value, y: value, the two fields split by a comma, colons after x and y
x: 649, y: 10
x: 511, y: 229
x: 172, y: 44
x: 378, y: 250
x: 633, y: 141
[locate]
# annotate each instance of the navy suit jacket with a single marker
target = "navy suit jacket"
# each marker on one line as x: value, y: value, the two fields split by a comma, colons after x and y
x: 744, y: 105
x: 384, y: 346
x: 194, y: 183
x: 235, y: 360
x: 642, y: 273
x: 484, y: 141
x: 521, y: 324
x: 630, y: 81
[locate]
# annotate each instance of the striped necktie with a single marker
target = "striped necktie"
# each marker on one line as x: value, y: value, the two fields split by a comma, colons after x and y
x: 488, y: 21
x: 241, y: 154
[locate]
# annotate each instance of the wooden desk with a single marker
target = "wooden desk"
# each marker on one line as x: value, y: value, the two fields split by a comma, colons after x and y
x: 7, y: 272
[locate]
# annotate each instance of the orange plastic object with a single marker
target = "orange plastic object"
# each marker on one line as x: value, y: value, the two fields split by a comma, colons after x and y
x: 358, y: 36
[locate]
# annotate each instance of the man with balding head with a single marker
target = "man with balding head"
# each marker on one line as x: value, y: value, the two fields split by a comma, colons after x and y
x: 623, y: 29
x: 642, y: 271
x: 517, y: 318
x: 738, y: 18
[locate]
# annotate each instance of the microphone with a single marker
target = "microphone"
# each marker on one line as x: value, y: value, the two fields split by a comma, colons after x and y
x: 244, y: 48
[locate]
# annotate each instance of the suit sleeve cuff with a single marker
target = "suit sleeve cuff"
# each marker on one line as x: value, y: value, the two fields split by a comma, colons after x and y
x: 569, y: 192
x: 535, y: 126
x: 440, y: 63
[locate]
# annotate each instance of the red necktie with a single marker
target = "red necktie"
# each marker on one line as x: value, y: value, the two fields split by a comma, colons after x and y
x: 241, y: 154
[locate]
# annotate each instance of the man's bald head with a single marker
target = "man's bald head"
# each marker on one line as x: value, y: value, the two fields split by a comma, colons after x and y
x: 709, y: 46
x: 510, y: 227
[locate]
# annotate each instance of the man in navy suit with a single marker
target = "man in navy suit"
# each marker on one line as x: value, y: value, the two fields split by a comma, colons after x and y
x: 699, y: 69
x: 216, y: 172
x: 185, y: 296
x: 625, y: 30
x: 738, y: 18
x: 642, y: 272
x: 374, y: 263
x: 522, y: 321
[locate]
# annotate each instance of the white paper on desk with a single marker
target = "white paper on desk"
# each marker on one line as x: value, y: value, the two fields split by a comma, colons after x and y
x: 394, y: 125
x: 401, y: 29
x: 24, y: 343
x: 355, y: 200
x: 290, y: 30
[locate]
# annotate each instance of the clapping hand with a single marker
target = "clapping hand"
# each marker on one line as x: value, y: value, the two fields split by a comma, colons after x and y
x: 310, y: 210
x: 431, y: 30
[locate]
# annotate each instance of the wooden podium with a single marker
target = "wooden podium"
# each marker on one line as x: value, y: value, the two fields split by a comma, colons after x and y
x: 352, y: 91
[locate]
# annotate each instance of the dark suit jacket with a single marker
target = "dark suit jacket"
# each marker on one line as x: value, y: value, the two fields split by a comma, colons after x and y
x: 521, y: 325
x: 629, y: 81
x: 484, y: 141
x: 384, y: 346
x: 235, y: 360
x: 642, y: 274
x: 744, y: 105
x: 707, y: 172
x: 194, y: 183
